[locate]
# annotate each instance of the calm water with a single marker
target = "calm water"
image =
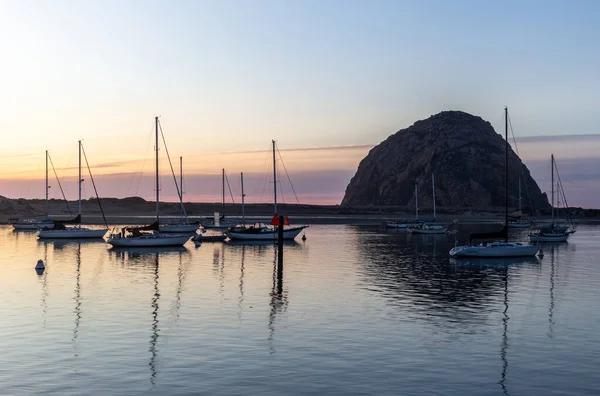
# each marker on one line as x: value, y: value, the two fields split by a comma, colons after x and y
x: 357, y: 310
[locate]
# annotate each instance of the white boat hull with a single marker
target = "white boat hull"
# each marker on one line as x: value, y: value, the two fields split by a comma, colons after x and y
x: 160, y: 240
x: 288, y: 234
x: 178, y: 228
x: 72, y: 233
x: 495, y: 249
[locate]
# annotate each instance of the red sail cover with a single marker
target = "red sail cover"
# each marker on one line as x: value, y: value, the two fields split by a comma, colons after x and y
x: 275, y: 220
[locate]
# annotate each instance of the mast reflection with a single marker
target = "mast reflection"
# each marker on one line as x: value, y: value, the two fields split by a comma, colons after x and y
x: 279, y: 297
x: 77, y: 310
x: 154, y: 331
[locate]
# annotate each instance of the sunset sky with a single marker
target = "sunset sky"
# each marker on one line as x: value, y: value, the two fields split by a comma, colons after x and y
x: 326, y: 79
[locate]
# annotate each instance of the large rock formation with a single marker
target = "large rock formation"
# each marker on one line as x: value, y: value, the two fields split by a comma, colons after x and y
x: 464, y: 153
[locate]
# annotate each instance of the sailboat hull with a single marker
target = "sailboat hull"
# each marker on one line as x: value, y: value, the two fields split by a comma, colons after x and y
x: 495, y: 249
x: 160, y: 240
x: 72, y: 233
x: 557, y: 237
x: 267, y: 235
x: 33, y: 225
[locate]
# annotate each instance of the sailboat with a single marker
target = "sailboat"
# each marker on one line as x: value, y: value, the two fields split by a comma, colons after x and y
x: 428, y: 228
x: 61, y: 231
x: 219, y: 222
x: 519, y: 222
x: 139, y: 236
x: 498, y: 249
x: 554, y: 232
x: 183, y: 226
x: 404, y: 225
x: 261, y: 231
x: 34, y: 224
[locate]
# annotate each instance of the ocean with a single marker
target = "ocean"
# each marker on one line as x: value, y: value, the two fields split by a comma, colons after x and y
x: 354, y: 310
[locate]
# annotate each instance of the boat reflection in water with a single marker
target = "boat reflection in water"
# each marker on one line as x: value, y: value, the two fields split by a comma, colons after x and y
x: 150, y: 257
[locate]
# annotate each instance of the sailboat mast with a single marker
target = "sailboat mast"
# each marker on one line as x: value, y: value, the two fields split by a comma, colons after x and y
x: 46, y: 183
x: 79, y: 183
x: 274, y: 180
x: 552, y: 178
x: 243, y: 195
x: 520, y: 197
x: 181, y: 180
x: 506, y: 173
x: 223, y: 192
x: 416, y: 202
x: 156, y: 160
x: 433, y: 187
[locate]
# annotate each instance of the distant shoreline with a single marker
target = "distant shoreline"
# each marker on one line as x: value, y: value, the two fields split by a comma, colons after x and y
x: 139, y: 211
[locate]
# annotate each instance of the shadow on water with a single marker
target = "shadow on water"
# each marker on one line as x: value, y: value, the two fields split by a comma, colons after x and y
x: 415, y: 274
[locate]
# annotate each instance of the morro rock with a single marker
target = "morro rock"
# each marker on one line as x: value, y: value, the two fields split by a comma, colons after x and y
x: 464, y: 153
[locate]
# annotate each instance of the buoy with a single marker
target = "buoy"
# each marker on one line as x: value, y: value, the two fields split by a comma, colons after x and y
x: 540, y: 253
x: 304, y: 237
x: 40, y: 265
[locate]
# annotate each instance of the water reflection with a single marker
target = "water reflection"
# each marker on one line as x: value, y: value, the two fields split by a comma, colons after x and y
x: 279, y: 297
x: 154, y: 332
x: 414, y: 273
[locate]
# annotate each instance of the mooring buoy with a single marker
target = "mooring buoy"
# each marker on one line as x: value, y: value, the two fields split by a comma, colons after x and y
x: 40, y: 264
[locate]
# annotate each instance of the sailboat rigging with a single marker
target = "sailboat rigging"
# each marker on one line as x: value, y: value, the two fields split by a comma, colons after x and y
x: 428, y: 228
x: 183, y: 226
x: 148, y: 236
x: 403, y: 225
x: 498, y: 249
x: 34, y: 224
x: 261, y: 231
x: 555, y: 232
x: 219, y: 222
x: 61, y: 231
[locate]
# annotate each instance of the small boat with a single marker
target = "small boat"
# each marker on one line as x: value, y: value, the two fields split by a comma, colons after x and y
x: 403, y: 225
x: 428, y: 228
x: 183, y: 226
x: 516, y: 221
x: 553, y: 232
x: 219, y: 222
x: 76, y: 231
x: 497, y: 249
x: 262, y: 231
x: 148, y: 236
x: 32, y: 224
x: 425, y: 228
x: 209, y: 238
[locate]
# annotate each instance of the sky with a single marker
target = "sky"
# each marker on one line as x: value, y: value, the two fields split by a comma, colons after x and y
x: 327, y: 79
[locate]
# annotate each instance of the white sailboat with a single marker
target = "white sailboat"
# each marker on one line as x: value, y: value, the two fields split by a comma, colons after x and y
x: 403, y: 225
x: 520, y: 222
x: 34, y: 224
x: 554, y: 232
x: 219, y: 222
x: 498, y: 249
x: 428, y: 228
x: 148, y: 236
x: 60, y: 231
x: 261, y: 231
x: 183, y: 226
